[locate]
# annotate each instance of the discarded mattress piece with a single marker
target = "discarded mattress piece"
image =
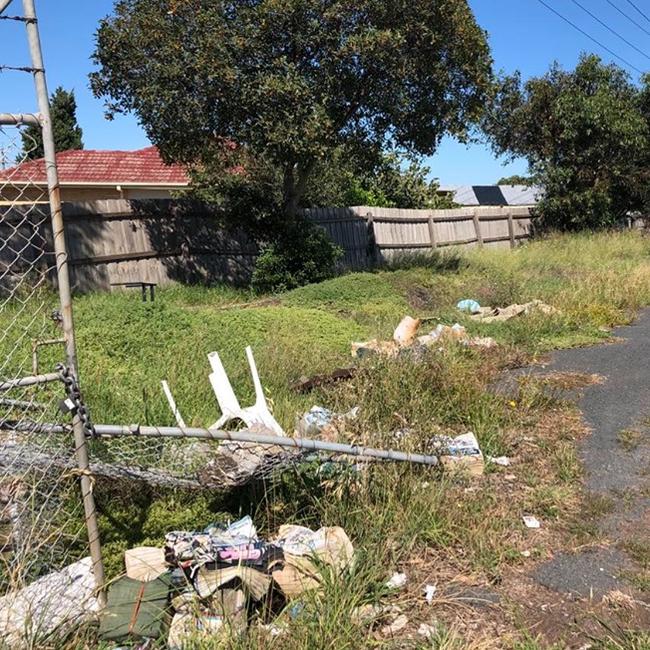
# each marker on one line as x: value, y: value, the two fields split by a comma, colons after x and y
x: 53, y: 604
x: 500, y: 314
x: 406, y: 340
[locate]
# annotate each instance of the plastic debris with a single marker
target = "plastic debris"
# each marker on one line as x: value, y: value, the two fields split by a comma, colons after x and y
x: 427, y: 631
x: 405, y: 332
x: 55, y: 603
x: 396, y: 581
x: 405, y: 339
x: 500, y: 314
x: 258, y: 413
x: 305, y: 552
x: 323, y: 423
x: 461, y: 452
x: 503, y: 461
x: 396, y: 626
x: 531, y: 522
x: 469, y: 305
x: 430, y: 592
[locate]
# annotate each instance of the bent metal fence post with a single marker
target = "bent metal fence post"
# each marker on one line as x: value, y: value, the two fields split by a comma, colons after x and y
x: 41, y: 526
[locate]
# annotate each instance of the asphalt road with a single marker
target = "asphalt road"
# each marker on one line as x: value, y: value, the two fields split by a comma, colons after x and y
x: 621, y: 402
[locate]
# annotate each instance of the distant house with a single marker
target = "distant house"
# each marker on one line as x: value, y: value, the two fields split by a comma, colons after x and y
x: 88, y: 175
x: 470, y: 195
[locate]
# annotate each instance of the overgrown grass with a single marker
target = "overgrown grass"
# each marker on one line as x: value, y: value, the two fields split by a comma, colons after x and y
x: 406, y: 517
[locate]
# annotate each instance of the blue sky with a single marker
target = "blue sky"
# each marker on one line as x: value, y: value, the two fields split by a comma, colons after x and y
x: 523, y: 35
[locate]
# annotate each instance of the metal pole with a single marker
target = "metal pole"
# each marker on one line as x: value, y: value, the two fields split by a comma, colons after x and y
x: 30, y: 381
x: 4, y: 4
x: 15, y: 119
x: 81, y: 449
x: 136, y: 430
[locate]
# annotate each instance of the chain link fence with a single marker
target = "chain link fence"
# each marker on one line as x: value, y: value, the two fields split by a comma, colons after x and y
x: 41, y: 516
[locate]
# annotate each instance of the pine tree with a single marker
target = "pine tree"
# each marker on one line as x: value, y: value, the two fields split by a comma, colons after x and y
x: 67, y: 132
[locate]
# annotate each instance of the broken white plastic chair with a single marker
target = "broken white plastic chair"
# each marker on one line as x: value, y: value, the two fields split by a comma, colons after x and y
x: 172, y: 404
x: 258, y: 413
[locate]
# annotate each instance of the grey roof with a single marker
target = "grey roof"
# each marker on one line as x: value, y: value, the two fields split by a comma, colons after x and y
x: 496, y: 195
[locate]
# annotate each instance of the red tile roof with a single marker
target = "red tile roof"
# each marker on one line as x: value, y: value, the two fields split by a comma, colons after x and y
x: 140, y: 167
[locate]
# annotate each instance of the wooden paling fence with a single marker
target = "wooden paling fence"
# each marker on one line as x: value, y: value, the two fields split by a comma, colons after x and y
x: 113, y: 241
x: 370, y: 235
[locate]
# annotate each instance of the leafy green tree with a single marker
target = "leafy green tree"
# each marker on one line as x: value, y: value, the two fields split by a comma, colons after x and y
x: 585, y: 137
x: 393, y: 181
x: 67, y: 132
x: 290, y: 82
x: 515, y: 179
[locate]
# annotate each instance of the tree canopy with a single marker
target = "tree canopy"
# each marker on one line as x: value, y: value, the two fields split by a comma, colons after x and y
x: 515, y: 179
x: 67, y: 132
x: 585, y: 134
x: 255, y: 95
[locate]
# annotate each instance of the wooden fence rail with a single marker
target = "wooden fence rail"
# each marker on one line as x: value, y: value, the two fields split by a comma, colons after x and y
x: 115, y: 241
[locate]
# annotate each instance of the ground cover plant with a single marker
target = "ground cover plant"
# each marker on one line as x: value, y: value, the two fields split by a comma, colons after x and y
x: 463, y: 535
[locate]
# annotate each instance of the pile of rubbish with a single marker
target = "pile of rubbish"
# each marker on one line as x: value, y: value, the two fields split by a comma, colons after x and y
x: 405, y: 338
x: 214, y: 581
x: 501, y: 314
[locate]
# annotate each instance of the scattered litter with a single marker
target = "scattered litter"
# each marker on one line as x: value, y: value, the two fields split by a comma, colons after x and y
x: 461, y: 452
x: 486, y: 342
x: 500, y: 314
x: 427, y: 631
x: 405, y: 332
x: 213, y: 578
x: 363, y: 349
x: 320, y: 422
x: 504, y: 461
x: 305, y: 384
x: 510, y: 477
x: 469, y: 305
x: 396, y: 581
x: 525, y: 553
x: 396, y: 626
x: 531, y: 522
x: 191, y: 628
x: 145, y: 563
x: 368, y: 614
x: 430, y: 592
x: 53, y: 604
x: 304, y: 552
x: 405, y: 339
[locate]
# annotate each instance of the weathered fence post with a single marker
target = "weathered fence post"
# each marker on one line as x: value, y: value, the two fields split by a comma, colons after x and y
x: 432, y: 231
x: 372, y: 242
x: 477, y: 227
x: 63, y: 278
x: 511, y: 230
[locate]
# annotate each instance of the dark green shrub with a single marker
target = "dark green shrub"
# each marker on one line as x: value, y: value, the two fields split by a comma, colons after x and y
x: 301, y: 255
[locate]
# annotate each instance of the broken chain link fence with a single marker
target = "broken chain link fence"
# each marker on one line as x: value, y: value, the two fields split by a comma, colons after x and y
x: 41, y: 515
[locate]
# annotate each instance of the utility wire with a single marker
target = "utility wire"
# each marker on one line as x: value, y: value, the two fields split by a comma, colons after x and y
x: 590, y: 37
x: 620, y: 11
x: 639, y: 10
x: 613, y: 31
